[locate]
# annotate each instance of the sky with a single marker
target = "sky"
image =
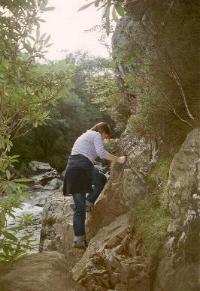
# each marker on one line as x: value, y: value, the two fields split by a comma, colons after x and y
x: 67, y: 26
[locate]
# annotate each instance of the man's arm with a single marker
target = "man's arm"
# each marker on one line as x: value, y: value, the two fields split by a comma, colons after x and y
x: 102, y: 153
x: 110, y: 157
x: 111, y: 140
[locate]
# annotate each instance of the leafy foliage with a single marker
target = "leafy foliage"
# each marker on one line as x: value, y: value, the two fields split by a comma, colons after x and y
x: 12, y: 246
x: 112, y: 11
x: 25, y: 97
x: 106, y: 93
x: 72, y: 115
x: 150, y: 223
x: 24, y: 93
x: 13, y: 191
x: 150, y: 217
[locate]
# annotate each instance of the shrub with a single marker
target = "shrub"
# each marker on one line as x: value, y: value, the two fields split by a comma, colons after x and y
x: 150, y: 217
x: 150, y: 223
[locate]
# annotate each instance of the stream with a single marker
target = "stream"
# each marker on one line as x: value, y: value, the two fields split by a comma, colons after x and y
x: 45, y: 181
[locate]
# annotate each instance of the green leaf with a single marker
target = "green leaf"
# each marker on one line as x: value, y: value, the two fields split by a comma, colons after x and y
x: 27, y: 47
x: 97, y: 3
x: 9, y: 236
x: 22, y: 180
x: 31, y: 37
x: 15, y: 157
x: 106, y: 15
x: 2, y: 257
x: 38, y: 33
x: 41, y: 20
x: 120, y: 10
x: 86, y: 6
x: 26, y: 237
x: 48, y: 8
x: 8, y: 175
x: 47, y: 39
x: 48, y: 45
x: 114, y: 14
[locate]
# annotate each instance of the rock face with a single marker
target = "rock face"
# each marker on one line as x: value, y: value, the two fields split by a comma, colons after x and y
x: 179, y: 269
x: 113, y: 261
x: 126, y: 184
x: 115, y: 258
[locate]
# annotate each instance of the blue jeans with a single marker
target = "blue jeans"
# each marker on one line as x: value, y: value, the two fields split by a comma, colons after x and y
x: 98, y: 181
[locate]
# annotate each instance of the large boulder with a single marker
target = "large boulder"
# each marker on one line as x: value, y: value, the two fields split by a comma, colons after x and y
x: 39, y: 272
x: 179, y: 268
x: 39, y: 166
x: 126, y: 185
x: 42, y: 172
x: 45, y: 177
x: 109, y: 205
x: 57, y: 229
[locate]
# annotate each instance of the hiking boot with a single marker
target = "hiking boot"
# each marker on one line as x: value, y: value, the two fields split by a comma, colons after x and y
x: 89, y: 206
x: 82, y: 244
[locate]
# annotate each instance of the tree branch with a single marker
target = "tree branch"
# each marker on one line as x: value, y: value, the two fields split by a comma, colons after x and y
x: 176, y: 78
x: 171, y: 107
x: 174, y: 74
x: 183, y: 120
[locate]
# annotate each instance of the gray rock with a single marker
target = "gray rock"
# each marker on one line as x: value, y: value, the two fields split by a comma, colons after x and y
x: 45, y: 177
x: 53, y: 184
x: 39, y: 272
x: 39, y: 166
x: 57, y: 223
x: 126, y: 183
x: 115, y: 259
x: 180, y: 263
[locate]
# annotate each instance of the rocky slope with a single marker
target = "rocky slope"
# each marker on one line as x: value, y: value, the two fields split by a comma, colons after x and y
x: 116, y: 258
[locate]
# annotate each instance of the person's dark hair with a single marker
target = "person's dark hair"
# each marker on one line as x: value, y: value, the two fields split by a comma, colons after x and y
x: 102, y: 127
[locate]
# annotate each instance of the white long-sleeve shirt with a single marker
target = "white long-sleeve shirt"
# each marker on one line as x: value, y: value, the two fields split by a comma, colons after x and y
x: 89, y: 144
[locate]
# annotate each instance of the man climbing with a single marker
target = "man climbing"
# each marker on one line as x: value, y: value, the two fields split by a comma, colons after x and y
x: 82, y: 177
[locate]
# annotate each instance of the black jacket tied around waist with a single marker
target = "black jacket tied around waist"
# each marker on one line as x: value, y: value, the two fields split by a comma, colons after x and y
x: 78, y: 175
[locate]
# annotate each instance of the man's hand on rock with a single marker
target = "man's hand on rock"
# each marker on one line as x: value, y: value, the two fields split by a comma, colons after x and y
x: 111, y: 141
x: 121, y: 160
